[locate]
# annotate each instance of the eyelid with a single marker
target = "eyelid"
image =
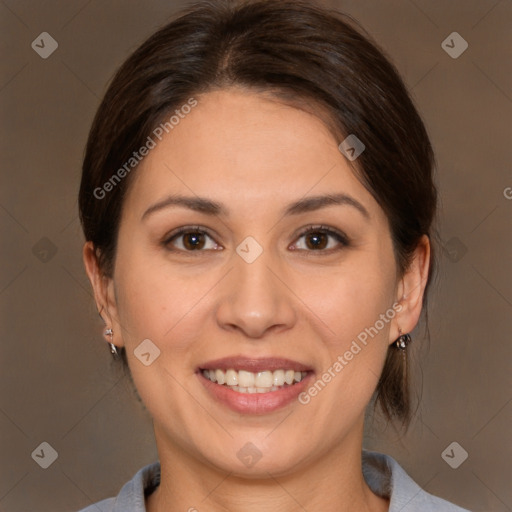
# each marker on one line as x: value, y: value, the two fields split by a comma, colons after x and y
x: 340, y: 236
x: 169, y: 237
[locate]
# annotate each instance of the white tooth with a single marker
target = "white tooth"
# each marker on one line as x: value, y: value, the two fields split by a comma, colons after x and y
x: 251, y: 390
x: 274, y: 388
x: 289, y: 376
x: 221, y: 377
x: 242, y: 390
x: 304, y: 374
x: 278, y: 378
x: 212, y: 375
x: 245, y: 379
x: 231, y: 378
x: 263, y: 380
x: 298, y: 377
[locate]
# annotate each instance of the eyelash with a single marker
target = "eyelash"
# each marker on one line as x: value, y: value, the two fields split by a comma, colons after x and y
x: 340, y: 237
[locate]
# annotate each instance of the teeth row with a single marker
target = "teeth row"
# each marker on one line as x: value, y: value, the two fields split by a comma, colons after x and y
x: 264, y: 381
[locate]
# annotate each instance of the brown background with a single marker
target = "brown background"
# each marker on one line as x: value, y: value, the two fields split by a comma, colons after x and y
x: 57, y: 383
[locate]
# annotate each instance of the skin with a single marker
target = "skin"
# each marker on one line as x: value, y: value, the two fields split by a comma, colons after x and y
x: 255, y: 156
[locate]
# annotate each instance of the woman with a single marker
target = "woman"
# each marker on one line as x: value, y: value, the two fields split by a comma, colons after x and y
x: 257, y: 202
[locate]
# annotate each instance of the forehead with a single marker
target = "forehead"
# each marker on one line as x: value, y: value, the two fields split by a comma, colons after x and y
x: 246, y: 149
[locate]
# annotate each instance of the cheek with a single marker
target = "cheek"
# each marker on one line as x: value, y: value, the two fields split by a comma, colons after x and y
x: 356, y: 310
x: 352, y: 299
x: 168, y: 307
x: 155, y: 305
x: 165, y: 308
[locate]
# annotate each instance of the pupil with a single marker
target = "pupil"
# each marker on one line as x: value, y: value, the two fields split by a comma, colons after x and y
x: 317, y: 241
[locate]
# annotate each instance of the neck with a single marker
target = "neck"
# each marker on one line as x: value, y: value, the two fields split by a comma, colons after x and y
x: 332, y: 482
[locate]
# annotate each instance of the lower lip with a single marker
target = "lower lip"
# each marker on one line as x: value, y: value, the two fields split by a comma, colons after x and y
x: 254, y: 403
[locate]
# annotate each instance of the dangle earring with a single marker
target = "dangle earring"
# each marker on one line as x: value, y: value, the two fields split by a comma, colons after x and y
x: 401, y: 345
x: 113, y: 348
x: 403, y: 340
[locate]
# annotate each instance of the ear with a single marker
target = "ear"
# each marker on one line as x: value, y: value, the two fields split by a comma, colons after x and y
x: 411, y: 289
x: 103, y: 288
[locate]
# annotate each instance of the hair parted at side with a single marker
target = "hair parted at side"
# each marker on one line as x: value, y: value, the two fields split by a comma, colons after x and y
x: 291, y: 49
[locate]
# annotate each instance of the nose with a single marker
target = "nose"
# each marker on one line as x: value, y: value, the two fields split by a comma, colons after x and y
x: 254, y: 300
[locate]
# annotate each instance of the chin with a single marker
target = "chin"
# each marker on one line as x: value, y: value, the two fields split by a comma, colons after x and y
x: 257, y: 458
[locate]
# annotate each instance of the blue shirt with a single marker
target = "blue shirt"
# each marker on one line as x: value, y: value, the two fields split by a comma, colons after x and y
x: 382, y: 473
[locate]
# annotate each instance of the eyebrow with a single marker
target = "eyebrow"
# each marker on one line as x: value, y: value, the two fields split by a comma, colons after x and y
x: 209, y: 207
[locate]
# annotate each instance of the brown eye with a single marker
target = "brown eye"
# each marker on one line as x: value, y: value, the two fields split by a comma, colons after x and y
x: 190, y: 240
x: 321, y: 239
x: 317, y: 240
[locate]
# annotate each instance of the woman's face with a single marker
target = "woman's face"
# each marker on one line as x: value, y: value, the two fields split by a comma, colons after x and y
x: 231, y: 256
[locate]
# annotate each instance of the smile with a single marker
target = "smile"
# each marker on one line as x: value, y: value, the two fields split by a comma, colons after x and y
x: 254, y: 382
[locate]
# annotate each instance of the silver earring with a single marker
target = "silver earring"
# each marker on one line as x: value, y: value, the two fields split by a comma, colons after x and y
x: 113, y: 348
x: 402, y: 341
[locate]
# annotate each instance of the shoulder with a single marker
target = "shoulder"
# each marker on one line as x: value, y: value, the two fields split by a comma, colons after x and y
x: 387, y: 478
x: 132, y: 495
x: 102, y: 506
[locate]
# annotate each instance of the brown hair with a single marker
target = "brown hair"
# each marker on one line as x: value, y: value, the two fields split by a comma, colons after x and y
x: 295, y: 50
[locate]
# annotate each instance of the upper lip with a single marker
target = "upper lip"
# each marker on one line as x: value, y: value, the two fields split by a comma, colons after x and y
x: 253, y: 364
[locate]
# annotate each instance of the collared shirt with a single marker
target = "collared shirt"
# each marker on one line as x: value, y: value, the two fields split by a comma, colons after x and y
x: 383, y: 474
